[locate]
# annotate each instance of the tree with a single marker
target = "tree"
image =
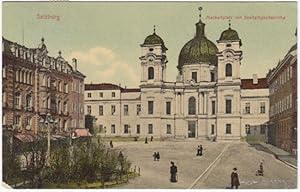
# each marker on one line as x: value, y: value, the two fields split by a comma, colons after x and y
x: 11, y: 164
x: 60, y: 164
x: 35, y: 154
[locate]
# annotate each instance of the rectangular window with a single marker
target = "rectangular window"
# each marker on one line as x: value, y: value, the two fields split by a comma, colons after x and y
x: 212, y: 129
x: 101, y: 94
x: 150, y: 107
x: 212, y: 76
x: 113, y: 109
x: 16, y: 120
x: 101, y: 130
x: 262, y: 107
x: 168, y: 108
x: 126, y: 129
x: 138, y: 129
x: 138, y: 109
x: 262, y: 129
x: 100, y: 110
x: 113, y: 129
x: 228, y: 106
x: 126, y: 112
x: 194, y: 76
x: 89, y: 109
x: 150, y: 129
x: 89, y: 95
x: 213, y: 107
x: 113, y: 94
x: 247, y: 128
x: 247, y: 108
x: 66, y: 88
x: 169, y: 131
x: 228, y: 128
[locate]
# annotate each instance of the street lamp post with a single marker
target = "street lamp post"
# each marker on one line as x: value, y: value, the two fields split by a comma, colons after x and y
x: 49, y: 120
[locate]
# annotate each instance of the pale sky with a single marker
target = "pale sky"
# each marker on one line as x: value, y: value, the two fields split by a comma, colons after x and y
x: 105, y: 37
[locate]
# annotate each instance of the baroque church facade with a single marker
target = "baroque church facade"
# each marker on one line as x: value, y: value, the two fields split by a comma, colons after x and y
x: 208, y: 99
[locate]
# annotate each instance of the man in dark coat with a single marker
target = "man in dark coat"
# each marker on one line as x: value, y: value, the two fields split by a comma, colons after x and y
x: 235, y: 179
x: 151, y: 138
x: 154, y: 156
x: 199, y: 150
x: 173, y: 172
x: 146, y: 140
x: 157, y: 156
x: 111, y: 144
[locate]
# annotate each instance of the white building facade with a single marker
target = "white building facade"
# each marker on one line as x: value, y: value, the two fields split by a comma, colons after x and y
x: 208, y: 98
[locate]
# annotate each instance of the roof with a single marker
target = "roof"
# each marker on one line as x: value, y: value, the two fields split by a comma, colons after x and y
x: 229, y: 34
x: 27, y: 137
x: 130, y: 90
x: 154, y: 39
x: 102, y: 86
x: 198, y: 50
x: 110, y: 86
x: 82, y: 133
x: 248, y: 84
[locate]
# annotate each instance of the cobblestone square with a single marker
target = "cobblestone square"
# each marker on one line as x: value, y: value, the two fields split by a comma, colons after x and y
x: 211, y: 171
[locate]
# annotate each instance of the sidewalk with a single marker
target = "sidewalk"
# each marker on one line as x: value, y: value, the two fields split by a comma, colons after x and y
x: 281, y: 155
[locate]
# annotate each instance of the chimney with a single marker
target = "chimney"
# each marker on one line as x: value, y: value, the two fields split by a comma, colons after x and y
x: 74, y: 63
x: 255, y: 80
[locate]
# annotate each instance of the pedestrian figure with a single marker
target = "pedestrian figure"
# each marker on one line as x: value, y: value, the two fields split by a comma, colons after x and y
x: 157, y: 156
x: 199, y: 150
x: 151, y: 138
x: 235, y: 179
x: 260, y: 172
x: 173, y: 172
x: 146, y: 140
x: 154, y: 156
x: 111, y: 144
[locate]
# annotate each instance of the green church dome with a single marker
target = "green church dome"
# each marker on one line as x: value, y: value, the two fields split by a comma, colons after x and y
x: 154, y: 39
x: 198, y: 50
x: 230, y: 35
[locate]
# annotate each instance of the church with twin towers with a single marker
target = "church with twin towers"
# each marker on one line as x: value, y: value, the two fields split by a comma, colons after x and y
x: 207, y: 100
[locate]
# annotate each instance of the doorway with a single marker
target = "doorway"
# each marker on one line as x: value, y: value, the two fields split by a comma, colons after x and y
x: 191, y: 129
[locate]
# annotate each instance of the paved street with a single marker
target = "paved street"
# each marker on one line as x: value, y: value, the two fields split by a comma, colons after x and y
x: 212, y: 170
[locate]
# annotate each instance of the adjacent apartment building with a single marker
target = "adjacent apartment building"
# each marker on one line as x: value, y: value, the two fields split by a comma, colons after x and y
x: 35, y: 84
x: 208, y: 99
x: 282, y: 81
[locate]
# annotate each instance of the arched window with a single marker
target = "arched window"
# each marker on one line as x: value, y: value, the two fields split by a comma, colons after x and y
x: 192, y: 106
x: 150, y: 73
x: 228, y: 70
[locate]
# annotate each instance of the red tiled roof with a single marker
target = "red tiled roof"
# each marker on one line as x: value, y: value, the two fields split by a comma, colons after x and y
x: 248, y: 84
x: 82, y: 133
x: 109, y: 86
x: 101, y: 86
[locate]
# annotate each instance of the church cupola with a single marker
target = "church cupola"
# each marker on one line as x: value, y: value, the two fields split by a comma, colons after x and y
x: 153, y: 59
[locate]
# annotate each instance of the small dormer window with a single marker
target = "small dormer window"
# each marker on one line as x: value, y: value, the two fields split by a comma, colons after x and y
x: 151, y: 49
x: 228, y: 45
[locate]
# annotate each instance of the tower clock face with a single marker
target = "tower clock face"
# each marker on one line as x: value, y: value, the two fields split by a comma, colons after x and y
x: 150, y: 59
x: 228, y: 55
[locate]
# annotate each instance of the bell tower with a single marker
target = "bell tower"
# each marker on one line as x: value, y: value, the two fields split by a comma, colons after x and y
x: 153, y: 60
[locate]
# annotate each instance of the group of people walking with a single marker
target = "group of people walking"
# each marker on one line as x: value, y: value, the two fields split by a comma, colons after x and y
x: 156, y: 156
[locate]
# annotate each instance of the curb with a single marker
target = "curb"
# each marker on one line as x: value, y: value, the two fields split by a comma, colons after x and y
x: 289, y: 164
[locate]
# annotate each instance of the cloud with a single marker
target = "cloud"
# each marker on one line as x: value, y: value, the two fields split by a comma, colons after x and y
x: 102, y: 65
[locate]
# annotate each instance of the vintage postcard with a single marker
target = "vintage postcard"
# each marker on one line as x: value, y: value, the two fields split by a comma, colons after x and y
x: 149, y: 95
